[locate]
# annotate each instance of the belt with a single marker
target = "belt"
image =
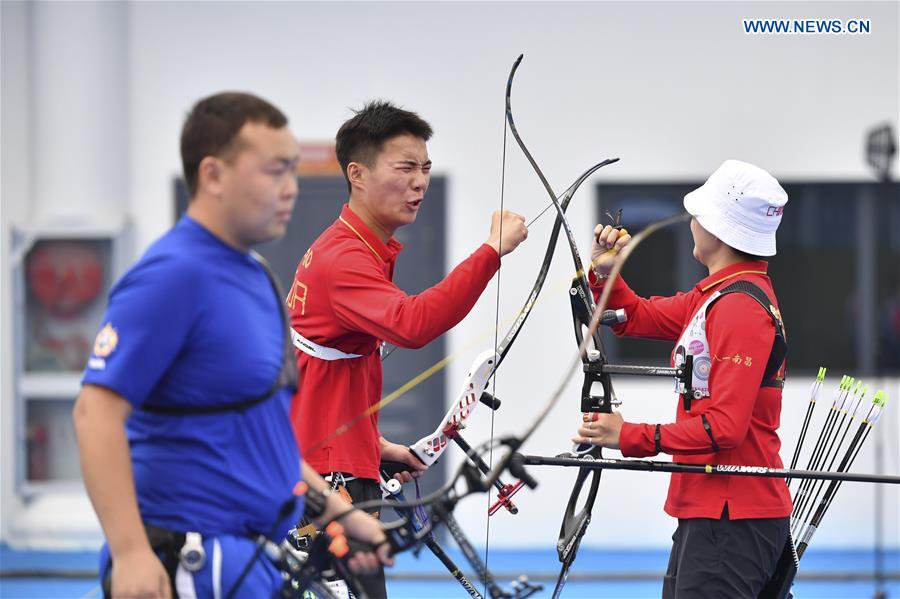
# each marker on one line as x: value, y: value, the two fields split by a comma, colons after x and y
x: 315, y: 350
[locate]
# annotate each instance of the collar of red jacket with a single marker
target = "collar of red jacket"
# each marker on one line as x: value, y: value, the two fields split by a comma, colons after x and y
x: 385, y: 252
x: 754, y: 267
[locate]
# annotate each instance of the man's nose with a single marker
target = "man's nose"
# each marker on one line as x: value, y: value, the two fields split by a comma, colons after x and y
x: 291, y: 187
x: 420, y: 181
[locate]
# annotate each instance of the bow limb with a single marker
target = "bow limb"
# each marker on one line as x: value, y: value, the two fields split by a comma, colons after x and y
x: 581, y: 299
x: 574, y: 524
x: 561, y: 213
x: 563, y: 203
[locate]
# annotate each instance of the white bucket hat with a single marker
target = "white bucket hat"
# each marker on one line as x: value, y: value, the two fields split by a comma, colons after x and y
x: 741, y: 204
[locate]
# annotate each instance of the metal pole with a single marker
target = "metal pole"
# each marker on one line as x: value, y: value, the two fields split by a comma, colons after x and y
x: 878, y: 517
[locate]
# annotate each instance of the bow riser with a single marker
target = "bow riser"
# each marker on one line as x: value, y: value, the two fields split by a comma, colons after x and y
x: 429, y: 448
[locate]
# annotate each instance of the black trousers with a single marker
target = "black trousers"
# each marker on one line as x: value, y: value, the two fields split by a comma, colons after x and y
x: 723, y: 558
x: 363, y: 489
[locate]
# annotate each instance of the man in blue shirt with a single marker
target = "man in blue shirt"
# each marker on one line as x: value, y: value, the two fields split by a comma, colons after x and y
x: 182, y: 418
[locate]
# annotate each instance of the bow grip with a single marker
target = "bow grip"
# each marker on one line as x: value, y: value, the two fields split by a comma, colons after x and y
x: 391, y: 467
x: 596, y: 403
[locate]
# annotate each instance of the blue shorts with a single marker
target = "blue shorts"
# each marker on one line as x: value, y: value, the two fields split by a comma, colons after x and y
x: 226, y: 558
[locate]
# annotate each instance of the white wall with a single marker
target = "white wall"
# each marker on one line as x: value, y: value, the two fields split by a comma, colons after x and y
x: 673, y: 88
x: 15, y: 191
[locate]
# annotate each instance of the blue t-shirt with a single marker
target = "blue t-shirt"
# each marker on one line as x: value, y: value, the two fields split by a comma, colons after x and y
x: 196, y: 323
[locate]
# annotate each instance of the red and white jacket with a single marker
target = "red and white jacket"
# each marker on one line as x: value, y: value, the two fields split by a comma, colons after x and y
x: 343, y: 299
x: 742, y: 416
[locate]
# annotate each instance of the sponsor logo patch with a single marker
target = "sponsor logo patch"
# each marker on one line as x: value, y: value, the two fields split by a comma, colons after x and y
x: 106, y: 341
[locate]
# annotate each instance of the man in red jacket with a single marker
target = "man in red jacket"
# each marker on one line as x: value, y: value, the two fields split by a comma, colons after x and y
x: 731, y: 530
x: 344, y: 304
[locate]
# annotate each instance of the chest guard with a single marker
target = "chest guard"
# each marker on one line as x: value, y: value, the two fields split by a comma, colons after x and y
x: 692, y: 349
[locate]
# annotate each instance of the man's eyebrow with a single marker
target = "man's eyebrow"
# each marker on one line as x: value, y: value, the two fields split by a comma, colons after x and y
x: 414, y: 162
x: 287, y: 160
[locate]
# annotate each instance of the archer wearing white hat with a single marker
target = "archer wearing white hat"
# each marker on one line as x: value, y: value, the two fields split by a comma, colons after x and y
x: 731, y: 530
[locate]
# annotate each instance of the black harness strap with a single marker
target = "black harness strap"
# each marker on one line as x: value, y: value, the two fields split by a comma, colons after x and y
x: 287, y: 376
x: 779, y: 344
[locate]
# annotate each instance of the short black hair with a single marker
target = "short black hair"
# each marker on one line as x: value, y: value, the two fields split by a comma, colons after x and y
x: 362, y: 137
x: 212, y: 126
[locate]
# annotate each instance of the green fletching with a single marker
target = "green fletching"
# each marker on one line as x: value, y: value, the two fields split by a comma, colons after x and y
x: 880, y: 399
x: 821, y: 376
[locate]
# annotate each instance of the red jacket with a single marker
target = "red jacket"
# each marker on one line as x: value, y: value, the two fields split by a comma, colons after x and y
x: 342, y: 297
x: 743, y: 416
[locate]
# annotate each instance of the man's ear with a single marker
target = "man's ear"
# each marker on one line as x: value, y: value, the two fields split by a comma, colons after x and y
x: 209, y: 175
x: 356, y: 175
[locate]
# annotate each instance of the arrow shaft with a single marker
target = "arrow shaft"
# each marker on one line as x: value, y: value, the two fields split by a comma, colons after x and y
x: 713, y: 469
